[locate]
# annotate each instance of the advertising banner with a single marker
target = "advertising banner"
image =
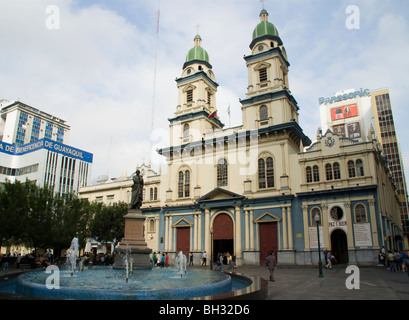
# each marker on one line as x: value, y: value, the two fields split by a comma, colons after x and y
x: 344, y: 112
x: 46, y: 144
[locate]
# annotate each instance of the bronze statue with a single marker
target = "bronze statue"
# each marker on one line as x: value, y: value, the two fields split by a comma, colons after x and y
x: 137, y: 191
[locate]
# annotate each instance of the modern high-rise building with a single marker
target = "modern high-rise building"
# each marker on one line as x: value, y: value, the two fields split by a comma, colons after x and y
x: 33, y: 145
x: 387, y: 137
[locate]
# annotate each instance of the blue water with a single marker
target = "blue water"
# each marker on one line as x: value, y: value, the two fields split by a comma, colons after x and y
x: 107, y: 283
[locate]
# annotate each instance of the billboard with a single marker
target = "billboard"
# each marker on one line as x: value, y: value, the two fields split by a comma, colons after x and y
x: 344, y: 112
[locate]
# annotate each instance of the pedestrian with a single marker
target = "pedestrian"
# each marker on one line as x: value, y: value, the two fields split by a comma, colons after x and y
x: 381, y: 259
x: 328, y: 258
x: 406, y: 262
x: 166, y: 260
x: 6, y: 264
x: 162, y: 260
x: 154, y: 259
x: 191, y: 259
x: 391, y: 259
x: 204, y: 258
x: 403, y: 258
x: 272, y: 265
x: 398, y: 260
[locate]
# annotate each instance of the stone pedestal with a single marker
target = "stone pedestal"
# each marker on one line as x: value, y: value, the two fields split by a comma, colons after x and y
x: 133, y: 244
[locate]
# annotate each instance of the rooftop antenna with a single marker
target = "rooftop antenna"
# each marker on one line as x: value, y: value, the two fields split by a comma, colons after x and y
x: 262, y: 1
x: 154, y: 75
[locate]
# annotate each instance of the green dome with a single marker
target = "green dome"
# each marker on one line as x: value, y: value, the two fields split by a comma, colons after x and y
x: 265, y: 30
x: 264, y: 27
x: 197, y: 52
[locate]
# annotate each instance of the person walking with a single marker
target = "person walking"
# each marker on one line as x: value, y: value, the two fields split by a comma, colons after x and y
x: 391, y: 259
x: 272, y: 265
x: 191, y: 259
x: 328, y: 258
x: 204, y: 258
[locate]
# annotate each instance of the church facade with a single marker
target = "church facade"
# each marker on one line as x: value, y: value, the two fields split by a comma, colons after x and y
x: 263, y: 185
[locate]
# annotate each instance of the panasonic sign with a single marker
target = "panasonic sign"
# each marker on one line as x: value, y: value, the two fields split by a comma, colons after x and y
x: 346, y: 96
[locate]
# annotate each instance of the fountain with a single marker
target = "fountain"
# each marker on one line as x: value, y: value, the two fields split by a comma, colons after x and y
x: 72, y: 258
x: 180, y: 263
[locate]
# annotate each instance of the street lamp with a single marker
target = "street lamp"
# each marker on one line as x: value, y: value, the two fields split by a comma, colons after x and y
x: 317, y: 219
x: 211, y: 249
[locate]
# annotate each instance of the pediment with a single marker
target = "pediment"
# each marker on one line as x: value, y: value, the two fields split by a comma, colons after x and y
x: 267, y: 217
x: 220, y: 194
x: 182, y: 222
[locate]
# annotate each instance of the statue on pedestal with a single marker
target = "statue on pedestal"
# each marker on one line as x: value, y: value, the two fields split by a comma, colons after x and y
x: 137, y: 191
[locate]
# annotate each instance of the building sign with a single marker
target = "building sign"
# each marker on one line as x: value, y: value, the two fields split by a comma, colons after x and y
x: 346, y: 96
x: 344, y: 112
x: 362, y: 233
x: 314, y: 237
x: 48, y: 145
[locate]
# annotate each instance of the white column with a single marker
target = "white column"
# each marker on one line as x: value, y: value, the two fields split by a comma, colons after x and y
x: 284, y: 215
x: 157, y: 233
x: 166, y: 233
x: 238, y: 232
x: 251, y: 230
x: 246, y: 229
x: 290, y: 229
x: 207, y: 232
x: 195, y: 237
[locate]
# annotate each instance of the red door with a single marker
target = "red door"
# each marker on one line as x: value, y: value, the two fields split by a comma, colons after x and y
x: 268, y: 239
x: 183, y: 240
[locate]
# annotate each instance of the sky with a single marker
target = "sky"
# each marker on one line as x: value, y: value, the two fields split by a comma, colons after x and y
x: 108, y: 70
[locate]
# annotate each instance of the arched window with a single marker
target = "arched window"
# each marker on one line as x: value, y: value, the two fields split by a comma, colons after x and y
x: 309, y: 174
x: 263, y: 113
x: 151, y: 225
x: 316, y: 173
x: 186, y: 131
x: 360, y: 214
x: 184, y: 184
x: 360, y: 168
x: 328, y: 171
x: 151, y: 194
x: 314, y: 212
x: 222, y: 173
x: 351, y: 169
x: 337, y: 171
x: 265, y: 173
x: 155, y: 193
x: 187, y: 183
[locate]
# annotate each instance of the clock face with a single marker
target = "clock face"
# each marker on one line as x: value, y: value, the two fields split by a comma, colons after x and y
x: 260, y: 48
x: 336, y: 213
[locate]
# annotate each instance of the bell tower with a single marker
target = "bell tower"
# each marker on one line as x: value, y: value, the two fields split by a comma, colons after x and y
x: 196, y: 110
x: 268, y: 99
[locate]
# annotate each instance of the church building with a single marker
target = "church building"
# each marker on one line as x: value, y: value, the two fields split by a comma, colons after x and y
x: 263, y: 185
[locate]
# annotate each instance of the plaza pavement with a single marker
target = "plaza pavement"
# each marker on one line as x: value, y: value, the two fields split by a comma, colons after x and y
x: 304, y: 283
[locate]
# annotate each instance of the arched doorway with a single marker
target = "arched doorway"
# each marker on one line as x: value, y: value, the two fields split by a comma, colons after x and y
x: 223, y: 235
x: 339, y: 245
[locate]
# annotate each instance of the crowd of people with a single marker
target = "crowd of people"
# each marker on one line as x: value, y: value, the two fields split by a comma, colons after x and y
x: 159, y: 259
x: 32, y: 259
x: 36, y: 260
x: 394, y: 260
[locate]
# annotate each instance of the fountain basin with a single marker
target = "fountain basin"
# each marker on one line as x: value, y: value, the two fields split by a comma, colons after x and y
x: 109, y: 284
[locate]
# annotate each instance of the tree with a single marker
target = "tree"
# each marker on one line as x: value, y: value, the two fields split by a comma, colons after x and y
x: 108, y: 222
x: 14, y: 208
